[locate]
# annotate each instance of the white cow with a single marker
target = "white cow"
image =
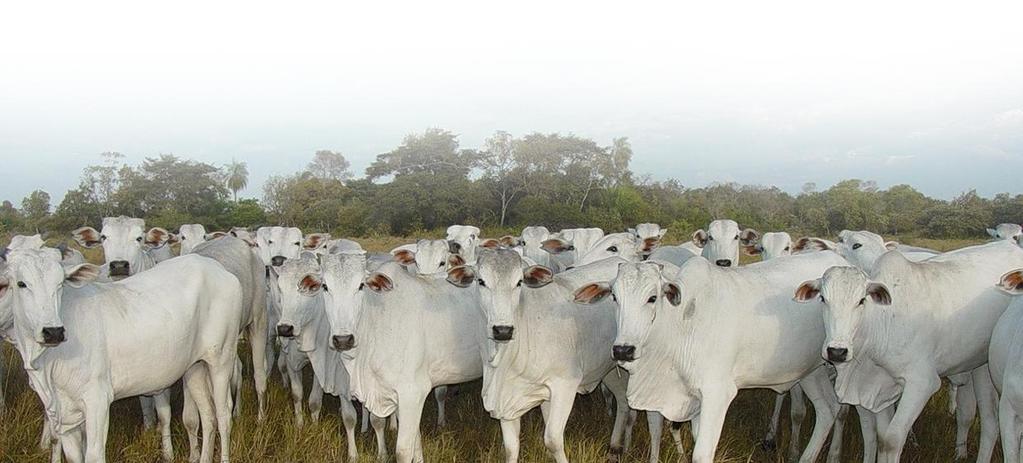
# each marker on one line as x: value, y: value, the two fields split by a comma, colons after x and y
x: 623, y: 245
x: 771, y: 245
x: 68, y: 256
x: 532, y: 239
x: 160, y: 332
x: 721, y: 241
x: 1006, y: 231
x: 321, y: 243
x: 864, y: 248
x: 692, y: 338
x: 277, y: 244
x: 650, y: 235
x: 190, y: 236
x: 127, y: 247
x: 568, y: 245
x: 405, y: 334
x: 1005, y: 361
x: 464, y: 241
x: 939, y: 324
x: 304, y: 319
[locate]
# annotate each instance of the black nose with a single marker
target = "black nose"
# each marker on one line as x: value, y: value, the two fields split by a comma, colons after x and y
x: 277, y: 261
x: 503, y: 332
x: 454, y: 247
x: 53, y: 335
x: 837, y: 354
x: 343, y: 342
x: 623, y: 353
x: 285, y: 331
x: 119, y: 268
x: 723, y: 262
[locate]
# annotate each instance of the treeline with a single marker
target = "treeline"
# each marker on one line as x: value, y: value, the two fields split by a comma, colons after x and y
x: 430, y: 181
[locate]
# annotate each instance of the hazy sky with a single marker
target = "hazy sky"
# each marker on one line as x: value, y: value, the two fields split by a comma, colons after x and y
x: 778, y: 93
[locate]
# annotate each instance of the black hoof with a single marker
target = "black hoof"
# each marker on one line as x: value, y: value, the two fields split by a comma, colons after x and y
x: 768, y: 445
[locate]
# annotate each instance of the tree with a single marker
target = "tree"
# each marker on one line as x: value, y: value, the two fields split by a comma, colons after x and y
x: 330, y: 165
x: 502, y: 171
x: 237, y: 177
x: 10, y: 218
x: 100, y: 182
x: 36, y: 209
x: 167, y: 183
x: 435, y: 151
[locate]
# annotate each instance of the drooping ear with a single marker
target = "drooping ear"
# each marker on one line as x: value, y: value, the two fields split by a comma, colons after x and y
x: 556, y: 246
x: 379, y: 283
x: 510, y: 241
x: 700, y: 238
x: 592, y: 293
x: 461, y: 276
x: 454, y: 260
x: 748, y: 237
x: 992, y: 232
x: 315, y: 240
x: 215, y: 235
x: 405, y: 257
x: 309, y: 284
x: 78, y: 275
x: 537, y: 276
x: 86, y: 237
x: 754, y: 250
x: 173, y: 238
x: 156, y: 237
x: 1012, y: 282
x: 879, y: 293
x: 808, y: 243
x: 249, y: 241
x: 490, y: 243
x: 672, y: 293
x: 808, y: 291
x: 891, y: 245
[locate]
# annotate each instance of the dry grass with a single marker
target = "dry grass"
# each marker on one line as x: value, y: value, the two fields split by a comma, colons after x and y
x: 471, y: 435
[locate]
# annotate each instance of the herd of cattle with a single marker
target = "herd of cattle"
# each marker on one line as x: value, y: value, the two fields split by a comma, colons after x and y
x: 674, y: 331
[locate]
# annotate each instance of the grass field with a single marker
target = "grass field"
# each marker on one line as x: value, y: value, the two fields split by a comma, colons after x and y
x: 471, y: 436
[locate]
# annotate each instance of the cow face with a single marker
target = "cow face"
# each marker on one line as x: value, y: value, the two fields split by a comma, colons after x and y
x: 624, y: 245
x: 431, y: 257
x: 277, y: 244
x: 532, y: 239
x: 32, y: 282
x: 721, y: 242
x: 463, y: 240
x: 500, y: 277
x: 772, y: 245
x: 301, y: 291
x: 650, y: 235
x: 848, y: 297
x: 1006, y: 231
x: 25, y: 242
x: 345, y: 278
x: 861, y: 248
x: 190, y: 236
x: 125, y: 242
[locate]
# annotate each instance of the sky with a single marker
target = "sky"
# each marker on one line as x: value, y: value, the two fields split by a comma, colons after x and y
x: 768, y: 93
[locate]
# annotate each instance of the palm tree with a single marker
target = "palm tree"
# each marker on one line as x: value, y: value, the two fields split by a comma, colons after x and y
x: 237, y: 177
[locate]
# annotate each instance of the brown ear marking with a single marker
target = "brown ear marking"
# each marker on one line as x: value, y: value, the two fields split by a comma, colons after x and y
x: 809, y: 243
x: 310, y: 284
x: 313, y: 240
x: 490, y: 243
x: 699, y: 238
x: 461, y: 276
x: 378, y: 282
x: 455, y: 260
x: 157, y: 236
x: 673, y: 293
x: 556, y: 246
x: 650, y: 243
x: 217, y: 234
x: 879, y: 293
x: 752, y: 250
x: 405, y: 257
x: 1012, y: 281
x: 509, y: 241
x: 592, y: 293
x: 749, y: 236
x: 807, y: 291
x: 537, y: 276
x: 86, y: 236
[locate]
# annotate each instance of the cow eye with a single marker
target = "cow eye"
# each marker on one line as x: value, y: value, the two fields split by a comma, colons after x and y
x: 183, y: 238
x: 822, y: 299
x: 139, y: 239
x: 298, y: 243
x: 362, y: 285
x: 21, y: 284
x: 480, y: 281
x: 613, y: 297
x: 736, y: 237
x: 651, y: 300
x: 102, y: 237
x: 710, y: 238
x: 857, y: 245
x: 269, y: 241
x: 786, y: 248
x: 324, y: 286
x: 519, y: 284
x: 612, y: 249
x: 862, y: 301
x: 440, y: 264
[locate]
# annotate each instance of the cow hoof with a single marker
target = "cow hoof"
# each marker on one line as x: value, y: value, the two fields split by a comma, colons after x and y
x: 614, y: 454
x: 769, y: 445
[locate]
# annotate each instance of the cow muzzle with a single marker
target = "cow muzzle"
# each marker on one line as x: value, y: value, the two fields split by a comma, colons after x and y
x: 277, y: 261
x: 285, y: 331
x: 454, y: 248
x: 120, y: 268
x: 723, y: 262
x: 343, y: 342
x: 53, y: 335
x: 837, y: 354
x: 503, y: 333
x: 623, y: 353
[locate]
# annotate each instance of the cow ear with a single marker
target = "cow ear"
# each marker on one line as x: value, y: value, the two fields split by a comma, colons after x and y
x: 592, y: 293
x: 379, y: 283
x: 461, y: 276
x: 249, y: 241
x: 891, y: 245
x: 509, y: 241
x: 1012, y: 282
x: 748, y: 237
x: 309, y: 284
x: 556, y: 246
x: 215, y: 235
x: 808, y: 291
x: 156, y: 237
x: 700, y: 238
x: 81, y: 274
x: 5, y: 284
x: 672, y: 293
x: 490, y: 243
x: 879, y: 293
x: 661, y: 233
x: 649, y: 244
x: 807, y: 243
x: 631, y: 231
x: 753, y: 250
x: 86, y: 237
x: 314, y: 240
x: 405, y: 257
x: 992, y: 232
x: 537, y: 276
x: 454, y: 260
x: 172, y: 238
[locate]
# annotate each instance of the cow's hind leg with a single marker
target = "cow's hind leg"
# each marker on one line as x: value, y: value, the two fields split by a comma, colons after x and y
x: 148, y: 412
x: 163, y: 413
x: 821, y: 392
x: 838, y: 435
x: 1008, y: 424
x: 260, y: 366
x: 770, y: 441
x: 440, y: 394
x: 987, y: 404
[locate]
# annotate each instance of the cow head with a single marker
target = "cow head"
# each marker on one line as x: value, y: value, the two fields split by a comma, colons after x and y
x: 190, y: 236
x: 721, y: 242
x: 278, y: 244
x: 301, y: 290
x: 348, y: 282
x: 650, y: 235
x: 26, y: 242
x: 771, y: 245
x: 430, y: 257
x: 1006, y: 231
x: 847, y: 297
x: 532, y: 239
x: 861, y: 248
x: 125, y: 242
x: 622, y: 245
x: 463, y: 240
x: 500, y: 276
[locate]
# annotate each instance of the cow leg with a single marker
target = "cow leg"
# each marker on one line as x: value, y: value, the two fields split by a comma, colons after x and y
x: 148, y: 412
x: 71, y: 441
x: 315, y: 400
x: 392, y: 422
x: 838, y: 435
x: 915, y: 394
x: 770, y: 441
x: 510, y: 438
x: 965, y: 403
x: 609, y: 400
x: 410, y: 412
x: 97, y: 424
x: 220, y: 377
x: 282, y: 367
x: 379, y: 428
x: 236, y: 386
x: 675, y: 429
x: 655, y: 423
x: 868, y: 429
x: 297, y: 390
x: 1008, y: 423
x: 364, y: 417
x: 797, y: 412
x: 821, y: 392
x: 618, y: 387
x: 163, y: 414
x: 987, y: 404
x: 258, y: 343
x: 713, y: 407
x: 562, y: 399
x: 190, y: 419
x: 350, y: 418
x: 47, y: 436
x: 440, y: 394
